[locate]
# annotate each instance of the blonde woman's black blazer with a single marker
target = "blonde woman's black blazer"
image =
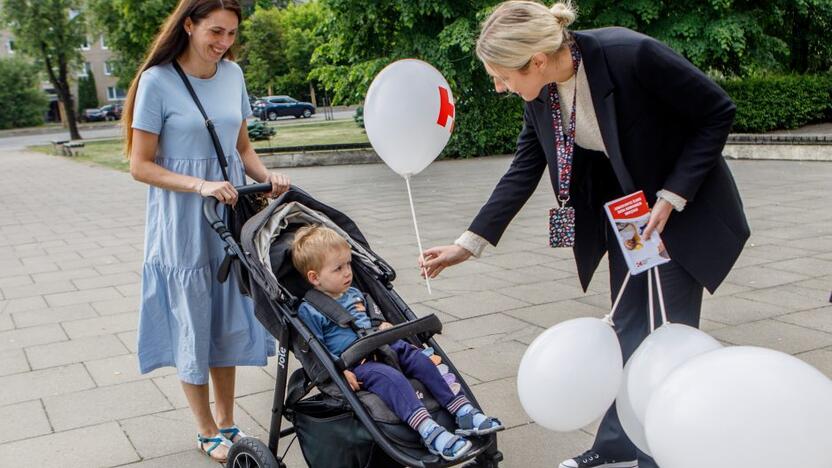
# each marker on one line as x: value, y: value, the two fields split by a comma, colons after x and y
x: 664, y: 124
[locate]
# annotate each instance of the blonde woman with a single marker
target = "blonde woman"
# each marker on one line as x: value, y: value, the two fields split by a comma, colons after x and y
x: 611, y: 111
x: 186, y: 318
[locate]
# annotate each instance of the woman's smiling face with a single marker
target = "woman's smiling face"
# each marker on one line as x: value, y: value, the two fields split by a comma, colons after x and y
x: 213, y: 36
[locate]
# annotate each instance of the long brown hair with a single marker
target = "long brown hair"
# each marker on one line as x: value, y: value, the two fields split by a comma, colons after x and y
x: 172, y: 41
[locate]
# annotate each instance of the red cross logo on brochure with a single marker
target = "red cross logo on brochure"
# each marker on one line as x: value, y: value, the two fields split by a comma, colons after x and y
x: 446, y: 109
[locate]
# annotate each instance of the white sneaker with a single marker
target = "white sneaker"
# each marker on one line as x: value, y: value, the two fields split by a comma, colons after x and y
x: 592, y: 459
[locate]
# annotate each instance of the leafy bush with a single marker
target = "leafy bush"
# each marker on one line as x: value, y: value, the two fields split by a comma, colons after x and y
x: 260, y: 131
x: 359, y: 116
x: 22, y: 103
x: 775, y: 102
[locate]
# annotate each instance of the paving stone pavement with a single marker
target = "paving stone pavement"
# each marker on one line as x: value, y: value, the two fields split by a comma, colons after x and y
x: 71, y: 239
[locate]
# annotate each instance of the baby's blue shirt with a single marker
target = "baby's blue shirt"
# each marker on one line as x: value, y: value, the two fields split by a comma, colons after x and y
x: 335, y: 338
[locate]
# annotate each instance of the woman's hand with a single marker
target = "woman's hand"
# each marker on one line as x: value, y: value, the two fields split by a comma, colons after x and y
x: 355, y: 385
x: 384, y: 326
x: 658, y: 218
x: 280, y: 184
x: 437, y: 259
x: 222, y: 191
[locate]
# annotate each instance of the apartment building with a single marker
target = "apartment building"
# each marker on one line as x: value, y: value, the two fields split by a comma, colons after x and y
x: 96, y: 60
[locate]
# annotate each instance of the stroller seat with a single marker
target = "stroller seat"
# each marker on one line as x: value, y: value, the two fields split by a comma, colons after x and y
x: 335, y: 419
x: 280, y: 257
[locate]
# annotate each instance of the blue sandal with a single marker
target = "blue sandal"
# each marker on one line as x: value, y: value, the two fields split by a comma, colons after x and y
x: 217, y: 440
x: 447, y: 452
x: 466, y: 427
x: 232, y: 433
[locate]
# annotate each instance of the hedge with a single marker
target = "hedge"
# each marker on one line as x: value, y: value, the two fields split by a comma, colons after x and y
x: 779, y: 102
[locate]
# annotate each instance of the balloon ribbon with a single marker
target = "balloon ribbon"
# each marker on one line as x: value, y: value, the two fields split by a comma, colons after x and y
x: 416, y: 227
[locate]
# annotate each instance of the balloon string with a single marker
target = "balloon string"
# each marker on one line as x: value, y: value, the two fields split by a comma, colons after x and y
x: 661, y: 296
x: 418, y: 238
x: 650, y: 301
x: 609, y: 317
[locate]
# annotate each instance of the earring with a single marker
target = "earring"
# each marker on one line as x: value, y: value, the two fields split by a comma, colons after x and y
x: 189, y: 34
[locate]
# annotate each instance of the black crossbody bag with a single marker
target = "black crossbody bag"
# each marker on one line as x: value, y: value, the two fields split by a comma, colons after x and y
x: 246, y: 207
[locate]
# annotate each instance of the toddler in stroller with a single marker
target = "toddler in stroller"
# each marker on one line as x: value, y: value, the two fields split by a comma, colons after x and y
x: 323, y: 258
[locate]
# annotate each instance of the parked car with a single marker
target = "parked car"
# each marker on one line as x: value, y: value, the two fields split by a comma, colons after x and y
x: 93, y: 115
x: 113, y: 111
x: 272, y: 107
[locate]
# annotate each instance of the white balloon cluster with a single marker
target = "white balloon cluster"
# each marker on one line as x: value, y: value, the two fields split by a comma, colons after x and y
x: 682, y: 397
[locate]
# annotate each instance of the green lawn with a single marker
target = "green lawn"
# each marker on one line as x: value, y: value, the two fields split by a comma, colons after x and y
x: 317, y: 133
x: 109, y: 152
x: 104, y: 152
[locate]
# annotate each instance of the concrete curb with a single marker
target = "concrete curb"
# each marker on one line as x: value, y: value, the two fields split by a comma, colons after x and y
x: 739, y: 146
x: 779, y: 139
x: 47, y: 130
x: 779, y: 147
x: 320, y: 158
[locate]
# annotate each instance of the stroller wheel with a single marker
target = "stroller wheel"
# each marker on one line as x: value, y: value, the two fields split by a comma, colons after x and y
x: 251, y: 453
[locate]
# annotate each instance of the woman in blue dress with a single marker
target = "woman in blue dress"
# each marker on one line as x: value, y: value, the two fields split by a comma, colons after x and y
x: 187, y: 319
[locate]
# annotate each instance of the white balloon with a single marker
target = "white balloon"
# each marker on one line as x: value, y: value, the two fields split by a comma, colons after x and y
x: 658, y: 355
x: 409, y: 115
x: 570, y: 374
x: 629, y: 421
x: 742, y: 407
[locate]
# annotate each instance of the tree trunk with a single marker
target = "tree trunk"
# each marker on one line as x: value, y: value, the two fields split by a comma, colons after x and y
x: 312, y: 95
x: 799, y: 42
x: 61, y: 84
x: 66, y: 98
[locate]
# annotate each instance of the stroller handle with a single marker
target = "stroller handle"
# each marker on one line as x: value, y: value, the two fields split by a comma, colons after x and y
x: 210, y: 204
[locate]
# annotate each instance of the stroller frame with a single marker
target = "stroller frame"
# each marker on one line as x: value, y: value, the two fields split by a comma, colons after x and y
x: 282, y: 320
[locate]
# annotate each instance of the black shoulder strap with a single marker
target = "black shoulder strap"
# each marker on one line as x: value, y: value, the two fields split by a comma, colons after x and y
x: 208, y: 123
x: 331, y: 309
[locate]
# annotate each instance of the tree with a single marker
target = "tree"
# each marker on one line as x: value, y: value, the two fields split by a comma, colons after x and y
x: 361, y: 38
x: 130, y: 27
x: 300, y: 24
x: 263, y: 57
x: 728, y: 37
x: 22, y: 102
x: 277, y: 48
x: 51, y: 32
x: 805, y: 25
x: 87, y: 94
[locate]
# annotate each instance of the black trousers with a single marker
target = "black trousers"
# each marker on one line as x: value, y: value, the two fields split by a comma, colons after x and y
x: 683, y: 303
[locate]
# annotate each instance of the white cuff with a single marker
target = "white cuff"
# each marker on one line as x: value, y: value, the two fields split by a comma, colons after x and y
x: 677, y: 201
x: 472, y: 243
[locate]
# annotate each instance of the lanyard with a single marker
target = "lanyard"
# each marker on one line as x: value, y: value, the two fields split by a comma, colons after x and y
x: 565, y: 143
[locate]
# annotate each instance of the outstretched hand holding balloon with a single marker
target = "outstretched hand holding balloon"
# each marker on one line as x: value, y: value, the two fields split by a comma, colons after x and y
x: 409, y: 116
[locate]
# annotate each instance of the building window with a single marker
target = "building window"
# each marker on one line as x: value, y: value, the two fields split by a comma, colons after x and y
x: 103, y: 43
x: 10, y: 46
x: 86, y: 44
x: 108, y: 68
x: 115, y: 94
x: 85, y: 70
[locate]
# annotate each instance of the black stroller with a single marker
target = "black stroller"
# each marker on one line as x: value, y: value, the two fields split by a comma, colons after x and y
x: 335, y: 426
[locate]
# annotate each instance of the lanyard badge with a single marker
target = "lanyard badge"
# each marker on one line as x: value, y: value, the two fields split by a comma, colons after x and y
x: 562, y: 217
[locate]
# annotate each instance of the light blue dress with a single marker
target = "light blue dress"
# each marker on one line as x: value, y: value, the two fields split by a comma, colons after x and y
x: 187, y: 319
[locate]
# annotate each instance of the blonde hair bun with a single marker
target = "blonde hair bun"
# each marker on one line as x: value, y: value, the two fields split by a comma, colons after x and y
x: 564, y: 12
x: 517, y: 30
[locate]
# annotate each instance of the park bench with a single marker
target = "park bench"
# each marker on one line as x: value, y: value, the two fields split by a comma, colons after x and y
x: 58, y: 147
x: 73, y: 148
